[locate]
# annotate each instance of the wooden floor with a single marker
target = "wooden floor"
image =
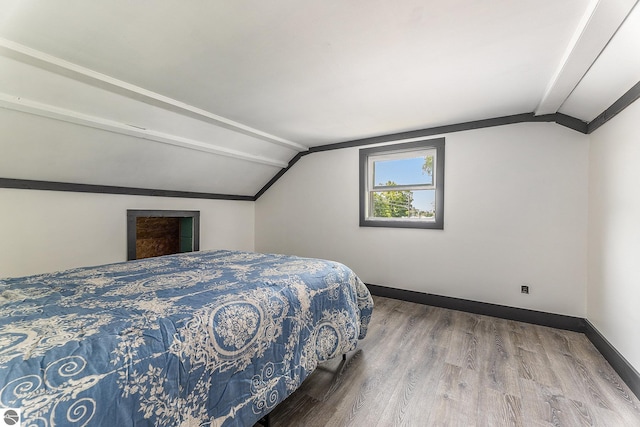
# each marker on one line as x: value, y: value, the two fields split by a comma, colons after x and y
x: 428, y: 366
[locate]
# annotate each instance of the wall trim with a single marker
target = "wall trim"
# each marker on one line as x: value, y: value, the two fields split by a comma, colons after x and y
x: 438, y: 130
x: 27, y: 184
x: 562, y: 119
x: 414, y: 135
x: 559, y: 321
x: 558, y: 118
x: 628, y: 373
x: 279, y: 174
x: 623, y: 368
x: 571, y: 122
x: 616, y: 108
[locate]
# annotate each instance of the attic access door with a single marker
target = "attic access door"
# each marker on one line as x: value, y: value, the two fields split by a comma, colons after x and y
x: 152, y: 233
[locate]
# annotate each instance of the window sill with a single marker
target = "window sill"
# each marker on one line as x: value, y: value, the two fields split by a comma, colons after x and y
x: 402, y: 223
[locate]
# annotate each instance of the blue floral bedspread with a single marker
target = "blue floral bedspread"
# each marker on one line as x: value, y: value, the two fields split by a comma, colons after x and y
x: 212, y: 338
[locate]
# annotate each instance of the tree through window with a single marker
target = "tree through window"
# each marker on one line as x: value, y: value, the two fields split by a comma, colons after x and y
x: 402, y: 185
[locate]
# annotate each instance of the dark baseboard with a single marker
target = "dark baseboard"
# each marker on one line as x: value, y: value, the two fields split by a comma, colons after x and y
x: 627, y: 372
x: 577, y: 324
x: 559, y: 321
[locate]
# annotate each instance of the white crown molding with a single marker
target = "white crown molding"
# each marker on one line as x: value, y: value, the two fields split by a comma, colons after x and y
x: 52, y: 63
x: 596, y: 28
x: 45, y: 110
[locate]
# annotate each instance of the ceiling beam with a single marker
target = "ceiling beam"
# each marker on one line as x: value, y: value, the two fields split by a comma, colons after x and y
x: 45, y: 110
x: 51, y: 63
x: 596, y: 28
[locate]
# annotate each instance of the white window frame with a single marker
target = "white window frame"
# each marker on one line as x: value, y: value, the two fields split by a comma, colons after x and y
x: 422, y: 148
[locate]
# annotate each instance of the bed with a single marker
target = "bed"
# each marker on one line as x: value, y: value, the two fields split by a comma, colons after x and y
x: 213, y: 338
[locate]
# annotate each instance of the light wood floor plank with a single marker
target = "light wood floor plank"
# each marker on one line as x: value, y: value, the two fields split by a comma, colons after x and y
x: 457, y: 386
x: 428, y: 366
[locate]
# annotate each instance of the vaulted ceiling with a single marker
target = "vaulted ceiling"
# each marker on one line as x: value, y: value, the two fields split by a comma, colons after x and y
x: 217, y: 97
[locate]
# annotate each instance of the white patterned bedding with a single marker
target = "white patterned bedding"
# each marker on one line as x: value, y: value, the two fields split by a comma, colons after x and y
x: 212, y: 338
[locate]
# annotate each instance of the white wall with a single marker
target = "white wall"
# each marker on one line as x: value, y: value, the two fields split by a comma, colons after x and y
x: 614, y: 232
x: 44, y: 231
x: 515, y: 213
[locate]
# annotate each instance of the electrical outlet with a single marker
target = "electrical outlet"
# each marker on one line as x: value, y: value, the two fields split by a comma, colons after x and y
x: 524, y: 289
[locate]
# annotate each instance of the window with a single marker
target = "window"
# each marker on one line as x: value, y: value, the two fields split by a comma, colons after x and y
x: 402, y: 185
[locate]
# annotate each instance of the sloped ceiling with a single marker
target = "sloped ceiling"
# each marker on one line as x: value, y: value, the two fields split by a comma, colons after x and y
x: 214, y: 96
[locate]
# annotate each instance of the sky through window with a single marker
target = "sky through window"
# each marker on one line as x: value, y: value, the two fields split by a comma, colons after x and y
x: 406, y: 172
